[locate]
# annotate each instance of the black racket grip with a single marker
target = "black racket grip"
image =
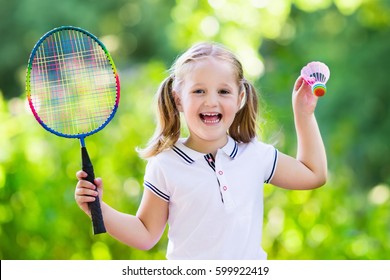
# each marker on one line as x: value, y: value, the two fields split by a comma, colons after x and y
x: 96, y: 211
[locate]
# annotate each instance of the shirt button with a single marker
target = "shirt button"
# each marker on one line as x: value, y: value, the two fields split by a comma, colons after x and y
x: 220, y: 172
x: 225, y: 188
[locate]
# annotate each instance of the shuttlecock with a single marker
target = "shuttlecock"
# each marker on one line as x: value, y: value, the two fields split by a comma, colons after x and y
x: 316, y: 74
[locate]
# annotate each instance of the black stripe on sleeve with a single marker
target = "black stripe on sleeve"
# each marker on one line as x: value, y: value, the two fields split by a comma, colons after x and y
x: 273, y: 167
x: 156, y: 191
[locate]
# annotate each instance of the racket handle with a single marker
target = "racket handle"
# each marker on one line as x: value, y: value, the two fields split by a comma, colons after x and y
x: 96, y: 211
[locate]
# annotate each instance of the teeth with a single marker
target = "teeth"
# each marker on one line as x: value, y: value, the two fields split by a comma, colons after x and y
x: 211, y: 118
x: 210, y: 114
x: 208, y: 121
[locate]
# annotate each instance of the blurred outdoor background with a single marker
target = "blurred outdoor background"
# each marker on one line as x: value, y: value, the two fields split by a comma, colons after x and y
x: 348, y: 218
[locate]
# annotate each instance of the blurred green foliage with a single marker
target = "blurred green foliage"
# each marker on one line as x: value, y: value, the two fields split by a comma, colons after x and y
x: 349, y: 218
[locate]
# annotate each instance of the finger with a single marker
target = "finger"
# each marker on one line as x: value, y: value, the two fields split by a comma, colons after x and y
x: 302, y: 88
x: 298, y: 83
x: 85, y: 192
x: 85, y: 199
x: 81, y: 174
x: 98, y: 182
x: 85, y: 184
x: 305, y: 90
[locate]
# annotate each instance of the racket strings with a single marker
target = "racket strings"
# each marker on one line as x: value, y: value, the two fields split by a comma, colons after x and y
x: 73, y: 86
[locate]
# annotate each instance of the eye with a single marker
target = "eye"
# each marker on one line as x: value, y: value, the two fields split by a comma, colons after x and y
x: 224, y: 91
x: 198, y: 91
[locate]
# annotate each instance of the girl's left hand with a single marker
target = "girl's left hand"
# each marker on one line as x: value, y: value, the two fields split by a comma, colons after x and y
x: 304, y: 101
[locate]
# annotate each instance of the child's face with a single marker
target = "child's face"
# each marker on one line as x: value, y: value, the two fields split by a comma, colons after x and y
x: 209, y: 98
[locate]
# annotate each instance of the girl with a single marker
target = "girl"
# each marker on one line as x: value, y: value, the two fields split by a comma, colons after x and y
x: 209, y: 187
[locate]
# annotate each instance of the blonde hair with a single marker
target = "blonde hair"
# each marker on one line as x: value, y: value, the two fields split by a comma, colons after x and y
x: 167, y: 132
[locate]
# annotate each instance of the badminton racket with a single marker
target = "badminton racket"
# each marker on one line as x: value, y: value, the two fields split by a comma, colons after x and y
x: 73, y: 91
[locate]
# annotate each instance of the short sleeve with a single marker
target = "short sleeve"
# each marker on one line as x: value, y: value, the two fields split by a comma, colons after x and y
x: 272, y: 164
x: 154, y: 179
x: 268, y: 156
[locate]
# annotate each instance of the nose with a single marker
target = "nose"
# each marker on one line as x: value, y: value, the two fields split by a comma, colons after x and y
x: 211, y: 99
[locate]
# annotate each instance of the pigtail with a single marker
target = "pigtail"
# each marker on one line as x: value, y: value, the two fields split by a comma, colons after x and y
x: 244, y: 126
x: 168, y: 122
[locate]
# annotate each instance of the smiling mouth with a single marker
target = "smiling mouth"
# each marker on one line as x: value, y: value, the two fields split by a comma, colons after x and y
x: 210, y: 118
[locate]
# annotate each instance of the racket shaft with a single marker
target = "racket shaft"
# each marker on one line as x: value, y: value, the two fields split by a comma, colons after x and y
x: 96, y: 212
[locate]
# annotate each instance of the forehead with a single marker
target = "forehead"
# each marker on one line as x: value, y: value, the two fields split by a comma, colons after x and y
x: 210, y: 68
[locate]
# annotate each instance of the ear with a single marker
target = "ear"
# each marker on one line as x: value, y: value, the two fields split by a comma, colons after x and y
x: 241, y: 100
x: 177, y: 98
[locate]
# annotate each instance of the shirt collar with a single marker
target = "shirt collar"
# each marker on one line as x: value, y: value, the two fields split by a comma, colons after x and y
x: 190, y: 156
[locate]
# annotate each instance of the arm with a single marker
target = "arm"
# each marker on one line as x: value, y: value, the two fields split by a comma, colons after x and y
x: 309, y: 169
x: 141, y: 231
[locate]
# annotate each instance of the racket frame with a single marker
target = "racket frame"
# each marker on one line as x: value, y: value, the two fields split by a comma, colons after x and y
x: 80, y: 136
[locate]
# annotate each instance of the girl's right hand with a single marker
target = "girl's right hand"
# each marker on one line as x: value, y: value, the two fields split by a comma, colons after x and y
x: 85, y: 191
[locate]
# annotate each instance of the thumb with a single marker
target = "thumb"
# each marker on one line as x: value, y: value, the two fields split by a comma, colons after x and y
x: 98, y: 182
x: 99, y: 186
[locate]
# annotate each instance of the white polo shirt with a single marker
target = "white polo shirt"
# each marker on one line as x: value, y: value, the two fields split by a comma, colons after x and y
x: 215, y: 205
